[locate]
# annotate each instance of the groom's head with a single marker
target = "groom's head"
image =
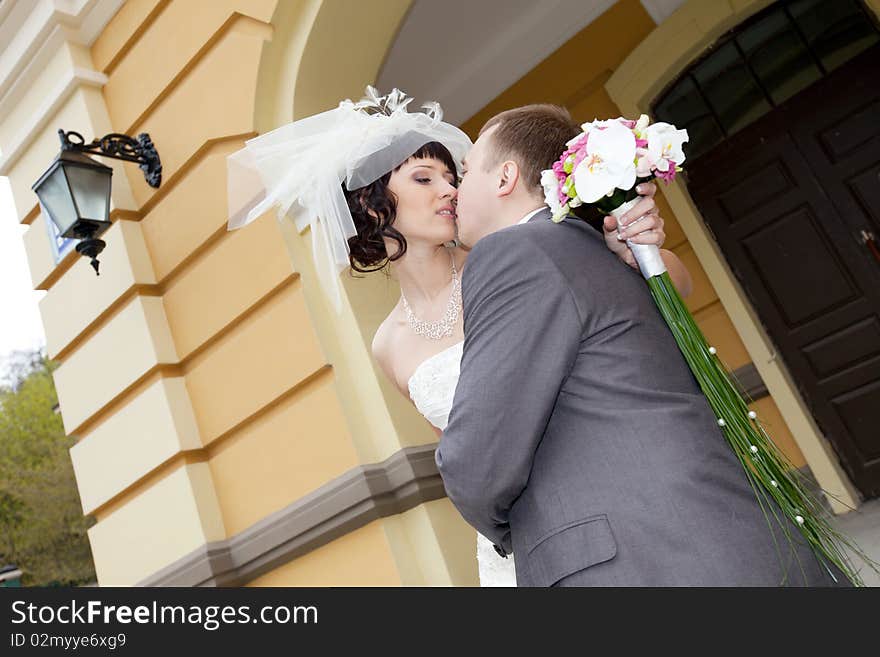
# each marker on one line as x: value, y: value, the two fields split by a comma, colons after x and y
x: 503, y: 169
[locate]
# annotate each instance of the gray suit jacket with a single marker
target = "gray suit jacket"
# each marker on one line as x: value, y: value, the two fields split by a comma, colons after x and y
x: 579, y: 439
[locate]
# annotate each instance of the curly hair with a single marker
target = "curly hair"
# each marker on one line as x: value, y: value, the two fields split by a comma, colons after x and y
x: 374, y: 209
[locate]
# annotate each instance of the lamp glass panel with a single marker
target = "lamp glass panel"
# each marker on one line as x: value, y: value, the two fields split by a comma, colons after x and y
x: 55, y: 197
x: 91, y: 191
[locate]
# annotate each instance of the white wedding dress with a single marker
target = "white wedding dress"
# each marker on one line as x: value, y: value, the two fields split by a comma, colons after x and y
x: 432, y: 389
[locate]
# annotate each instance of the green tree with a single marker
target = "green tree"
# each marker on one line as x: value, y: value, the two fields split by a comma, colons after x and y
x: 42, y: 525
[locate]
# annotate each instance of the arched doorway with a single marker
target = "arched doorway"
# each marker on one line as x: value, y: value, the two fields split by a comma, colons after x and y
x: 784, y: 115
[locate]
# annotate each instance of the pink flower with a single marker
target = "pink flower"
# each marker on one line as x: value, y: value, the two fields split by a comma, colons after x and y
x: 666, y: 176
x: 578, y: 142
x: 581, y: 143
x: 559, y: 172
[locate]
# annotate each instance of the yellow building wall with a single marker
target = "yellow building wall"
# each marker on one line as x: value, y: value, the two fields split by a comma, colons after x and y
x: 192, y: 371
x: 361, y: 558
x: 574, y: 76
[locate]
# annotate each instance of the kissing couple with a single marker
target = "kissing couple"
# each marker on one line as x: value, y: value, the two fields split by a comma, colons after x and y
x: 572, y: 434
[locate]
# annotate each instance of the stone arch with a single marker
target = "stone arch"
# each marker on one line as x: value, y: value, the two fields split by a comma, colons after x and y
x: 322, y: 51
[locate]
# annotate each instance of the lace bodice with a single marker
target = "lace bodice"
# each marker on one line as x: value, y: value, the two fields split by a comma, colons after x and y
x: 432, y: 389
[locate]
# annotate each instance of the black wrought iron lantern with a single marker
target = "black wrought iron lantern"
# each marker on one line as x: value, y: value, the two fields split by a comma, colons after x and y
x: 75, y: 189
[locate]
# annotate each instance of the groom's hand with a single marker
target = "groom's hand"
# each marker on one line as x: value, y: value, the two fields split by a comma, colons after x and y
x: 643, y: 224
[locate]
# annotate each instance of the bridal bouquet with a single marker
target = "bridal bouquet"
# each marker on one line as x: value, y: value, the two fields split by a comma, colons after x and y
x: 602, y: 167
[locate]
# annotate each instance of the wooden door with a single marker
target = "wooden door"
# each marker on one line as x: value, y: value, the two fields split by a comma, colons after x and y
x: 790, y: 200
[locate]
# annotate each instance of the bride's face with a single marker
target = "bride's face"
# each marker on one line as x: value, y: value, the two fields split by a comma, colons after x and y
x: 426, y: 195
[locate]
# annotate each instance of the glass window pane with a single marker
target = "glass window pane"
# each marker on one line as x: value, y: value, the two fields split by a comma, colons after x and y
x: 836, y: 31
x: 730, y: 88
x: 778, y: 57
x: 684, y: 107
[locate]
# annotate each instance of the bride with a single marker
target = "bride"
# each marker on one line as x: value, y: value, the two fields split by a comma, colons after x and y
x: 378, y: 186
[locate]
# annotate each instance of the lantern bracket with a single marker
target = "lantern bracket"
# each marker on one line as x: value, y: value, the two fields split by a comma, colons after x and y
x: 120, y: 147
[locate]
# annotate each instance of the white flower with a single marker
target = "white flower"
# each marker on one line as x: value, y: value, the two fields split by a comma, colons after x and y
x: 754, y: 449
x: 773, y: 483
x: 551, y: 190
x: 643, y: 122
x: 721, y: 422
x: 713, y: 350
x: 664, y: 145
x: 610, y: 161
x: 587, y: 127
x: 799, y: 519
x: 753, y: 415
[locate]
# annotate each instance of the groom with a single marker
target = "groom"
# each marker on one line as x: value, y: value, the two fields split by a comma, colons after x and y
x: 579, y: 440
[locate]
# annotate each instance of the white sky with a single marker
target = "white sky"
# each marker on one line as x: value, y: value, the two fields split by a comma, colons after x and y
x: 21, y: 326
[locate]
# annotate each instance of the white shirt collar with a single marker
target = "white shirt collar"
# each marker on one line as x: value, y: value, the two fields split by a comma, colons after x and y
x: 531, y: 214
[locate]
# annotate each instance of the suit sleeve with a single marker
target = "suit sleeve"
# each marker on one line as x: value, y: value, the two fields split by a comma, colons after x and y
x: 522, y: 333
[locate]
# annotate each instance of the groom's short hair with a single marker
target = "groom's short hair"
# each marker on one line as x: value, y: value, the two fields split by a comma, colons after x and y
x: 534, y: 136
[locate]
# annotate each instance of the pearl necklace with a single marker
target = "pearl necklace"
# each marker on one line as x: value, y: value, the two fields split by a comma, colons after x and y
x: 443, y: 327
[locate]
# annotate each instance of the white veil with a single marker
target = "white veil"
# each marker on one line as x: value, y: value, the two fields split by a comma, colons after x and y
x: 299, y: 168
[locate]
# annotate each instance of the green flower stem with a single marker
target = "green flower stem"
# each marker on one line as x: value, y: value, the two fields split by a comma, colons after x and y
x: 762, y: 461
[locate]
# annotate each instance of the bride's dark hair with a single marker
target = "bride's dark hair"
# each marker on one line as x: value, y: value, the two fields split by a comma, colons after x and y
x: 374, y: 209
